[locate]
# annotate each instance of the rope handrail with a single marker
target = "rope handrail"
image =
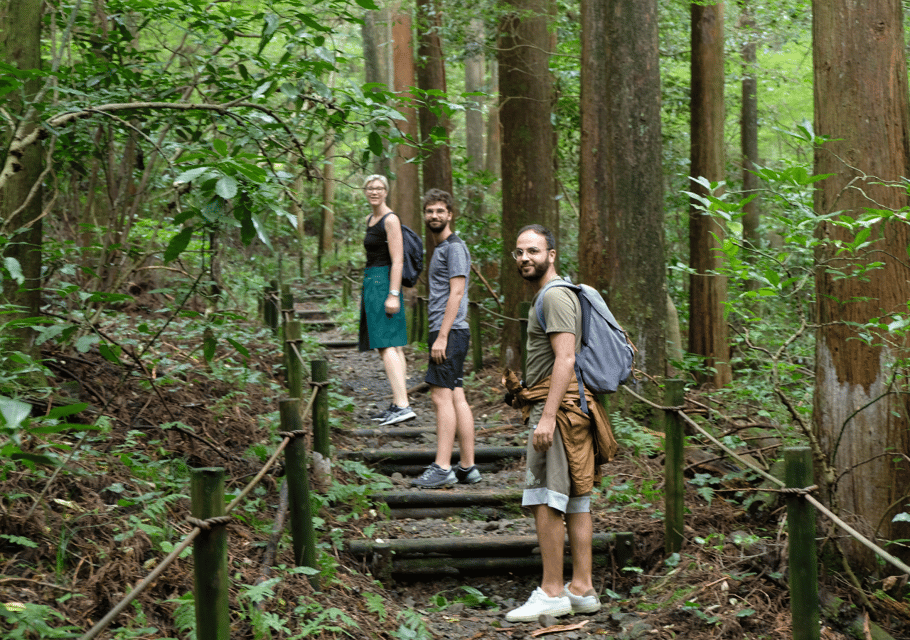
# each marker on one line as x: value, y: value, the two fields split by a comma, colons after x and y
x: 198, y: 527
x: 801, y: 492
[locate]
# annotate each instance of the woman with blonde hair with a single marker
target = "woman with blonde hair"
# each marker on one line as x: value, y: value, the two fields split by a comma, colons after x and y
x: 382, y: 320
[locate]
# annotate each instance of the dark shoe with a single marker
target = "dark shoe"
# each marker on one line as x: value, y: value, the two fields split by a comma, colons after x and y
x: 397, y: 414
x: 434, y: 476
x: 380, y: 415
x: 467, y: 476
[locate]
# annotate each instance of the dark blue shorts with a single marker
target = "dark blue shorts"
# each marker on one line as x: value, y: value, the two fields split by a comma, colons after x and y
x: 450, y: 372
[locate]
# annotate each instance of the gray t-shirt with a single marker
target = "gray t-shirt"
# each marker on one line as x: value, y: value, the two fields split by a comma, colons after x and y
x: 562, y: 312
x: 451, y: 259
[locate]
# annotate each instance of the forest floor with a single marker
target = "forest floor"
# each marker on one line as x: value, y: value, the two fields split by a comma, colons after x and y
x: 88, y: 545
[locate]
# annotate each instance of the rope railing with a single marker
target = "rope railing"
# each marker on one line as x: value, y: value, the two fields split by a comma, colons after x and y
x: 200, y: 525
x: 800, y: 492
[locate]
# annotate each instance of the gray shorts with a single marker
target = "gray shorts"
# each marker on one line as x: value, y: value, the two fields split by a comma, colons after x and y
x: 547, y: 480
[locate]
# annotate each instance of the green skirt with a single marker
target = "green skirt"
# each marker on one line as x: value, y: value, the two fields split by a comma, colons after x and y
x: 377, y: 330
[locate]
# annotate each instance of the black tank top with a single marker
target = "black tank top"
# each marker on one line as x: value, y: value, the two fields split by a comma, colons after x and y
x: 377, y: 245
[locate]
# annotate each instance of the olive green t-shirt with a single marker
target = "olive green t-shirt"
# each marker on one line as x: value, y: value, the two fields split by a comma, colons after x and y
x: 562, y: 313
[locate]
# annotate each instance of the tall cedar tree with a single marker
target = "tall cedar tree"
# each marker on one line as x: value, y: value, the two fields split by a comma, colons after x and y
x: 621, y: 222
x: 860, y: 417
x: 708, y: 334
x: 21, y: 198
x: 526, y: 102
x: 405, y: 196
x: 431, y: 77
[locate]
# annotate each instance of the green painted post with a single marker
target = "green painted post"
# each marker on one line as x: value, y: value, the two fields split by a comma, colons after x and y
x: 210, y: 565
x: 675, y: 488
x: 476, y: 338
x: 319, y: 372
x: 302, y: 532
x: 524, y: 308
x: 804, y: 603
x: 292, y: 360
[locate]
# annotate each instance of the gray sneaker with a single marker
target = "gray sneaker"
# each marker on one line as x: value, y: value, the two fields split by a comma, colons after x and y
x: 467, y: 476
x: 397, y: 414
x: 382, y: 414
x: 434, y: 476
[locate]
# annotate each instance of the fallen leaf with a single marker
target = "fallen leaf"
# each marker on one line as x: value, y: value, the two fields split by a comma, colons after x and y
x: 559, y: 628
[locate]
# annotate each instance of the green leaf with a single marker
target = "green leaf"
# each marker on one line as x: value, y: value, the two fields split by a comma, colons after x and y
x: 375, y: 143
x: 15, y: 270
x: 226, y: 187
x: 36, y: 458
x: 191, y: 174
x: 240, y: 348
x: 178, y: 244
x: 110, y: 353
x: 14, y: 412
x: 208, y: 348
x: 60, y: 412
x: 368, y: 4
x: 220, y: 147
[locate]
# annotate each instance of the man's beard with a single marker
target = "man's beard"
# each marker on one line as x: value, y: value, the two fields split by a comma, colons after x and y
x: 435, y: 226
x: 537, y: 274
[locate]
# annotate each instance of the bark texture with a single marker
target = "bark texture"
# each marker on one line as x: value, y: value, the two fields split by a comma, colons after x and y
x: 621, y: 229
x: 405, y: 196
x: 708, y: 333
x: 431, y: 77
x: 21, y: 197
x: 526, y: 99
x: 861, y: 103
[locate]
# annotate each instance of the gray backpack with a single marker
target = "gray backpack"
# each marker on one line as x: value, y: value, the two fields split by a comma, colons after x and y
x: 605, y: 358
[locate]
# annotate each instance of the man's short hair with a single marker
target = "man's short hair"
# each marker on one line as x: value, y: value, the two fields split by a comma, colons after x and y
x: 438, y: 195
x: 541, y: 230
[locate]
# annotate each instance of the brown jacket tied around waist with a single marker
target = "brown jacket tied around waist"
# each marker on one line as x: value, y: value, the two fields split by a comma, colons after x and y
x: 588, y: 440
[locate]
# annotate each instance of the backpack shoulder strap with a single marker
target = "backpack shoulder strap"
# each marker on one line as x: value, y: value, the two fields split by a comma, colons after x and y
x: 538, y: 305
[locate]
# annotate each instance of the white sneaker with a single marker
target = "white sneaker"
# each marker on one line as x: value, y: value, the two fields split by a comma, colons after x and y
x: 588, y: 603
x: 540, y: 604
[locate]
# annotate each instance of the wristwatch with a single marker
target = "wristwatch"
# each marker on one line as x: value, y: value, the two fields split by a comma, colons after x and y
x: 394, y: 292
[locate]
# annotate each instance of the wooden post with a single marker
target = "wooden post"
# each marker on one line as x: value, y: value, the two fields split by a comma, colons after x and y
x: 524, y: 308
x: 210, y: 565
x: 269, y: 310
x: 292, y: 360
x: 476, y: 338
x: 413, y: 317
x: 423, y: 327
x: 287, y: 303
x: 804, y: 603
x: 319, y: 373
x: 302, y: 532
x: 345, y: 293
x: 675, y: 488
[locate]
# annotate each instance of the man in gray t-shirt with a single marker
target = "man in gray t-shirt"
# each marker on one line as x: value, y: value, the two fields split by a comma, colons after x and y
x: 449, y: 274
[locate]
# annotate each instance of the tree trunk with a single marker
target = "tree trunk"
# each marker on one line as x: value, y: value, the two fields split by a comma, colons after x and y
x: 526, y: 98
x: 861, y: 104
x: 405, y: 194
x: 327, y: 229
x: 708, y: 292
x: 21, y: 199
x: 493, y: 160
x: 431, y: 77
x: 473, y: 117
x: 621, y: 229
x: 749, y: 133
x: 374, y: 67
